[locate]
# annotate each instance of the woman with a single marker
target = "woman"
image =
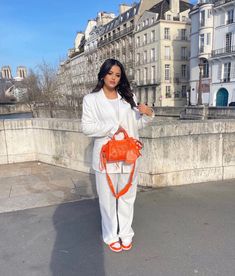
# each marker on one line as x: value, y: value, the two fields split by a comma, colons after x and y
x: 110, y: 107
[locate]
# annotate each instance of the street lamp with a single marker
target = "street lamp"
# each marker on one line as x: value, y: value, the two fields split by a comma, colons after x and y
x: 199, y: 99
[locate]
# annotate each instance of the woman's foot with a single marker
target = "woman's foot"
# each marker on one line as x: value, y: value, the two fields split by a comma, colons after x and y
x: 127, y: 246
x: 115, y: 246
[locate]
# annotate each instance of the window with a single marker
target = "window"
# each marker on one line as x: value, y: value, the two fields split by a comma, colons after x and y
x: 205, y: 68
x: 201, y: 50
x: 152, y: 36
x: 183, y: 53
x: 145, y: 74
x: 153, y: 74
x: 138, y: 41
x: 166, y: 33
x: 184, y: 91
x: 230, y: 15
x: 208, y: 39
x: 167, y: 52
x: 168, y: 91
x: 184, y: 18
x: 138, y: 58
x: 183, y: 34
x: 145, y: 38
x: 145, y: 56
x: 146, y: 95
x: 167, y: 71
x: 202, y: 18
x: 227, y: 71
x: 168, y: 17
x: 152, y: 53
x: 228, y: 42
x: 183, y: 71
x: 138, y: 76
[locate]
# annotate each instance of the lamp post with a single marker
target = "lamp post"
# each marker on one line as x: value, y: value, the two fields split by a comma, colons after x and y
x: 199, y: 99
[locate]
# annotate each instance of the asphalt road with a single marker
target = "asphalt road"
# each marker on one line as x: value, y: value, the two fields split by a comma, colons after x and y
x: 179, y: 231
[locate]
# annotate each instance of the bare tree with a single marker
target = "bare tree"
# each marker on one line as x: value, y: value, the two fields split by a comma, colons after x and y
x: 34, y: 93
x: 42, y: 87
x: 48, y: 84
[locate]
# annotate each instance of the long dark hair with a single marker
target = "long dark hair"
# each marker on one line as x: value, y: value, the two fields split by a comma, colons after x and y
x: 123, y: 87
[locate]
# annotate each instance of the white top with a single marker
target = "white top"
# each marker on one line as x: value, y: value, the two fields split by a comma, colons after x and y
x: 115, y: 105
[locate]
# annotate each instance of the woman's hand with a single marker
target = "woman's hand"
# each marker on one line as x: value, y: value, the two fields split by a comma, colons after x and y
x: 144, y: 109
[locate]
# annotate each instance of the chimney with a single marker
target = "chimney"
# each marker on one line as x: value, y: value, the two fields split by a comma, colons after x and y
x: 104, y: 18
x: 123, y: 8
x: 175, y: 6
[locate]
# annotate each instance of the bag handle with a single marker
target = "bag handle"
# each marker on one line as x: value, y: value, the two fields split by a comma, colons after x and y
x: 121, y: 130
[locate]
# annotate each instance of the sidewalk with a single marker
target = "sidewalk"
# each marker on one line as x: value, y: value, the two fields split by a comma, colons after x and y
x: 179, y: 231
x: 35, y: 184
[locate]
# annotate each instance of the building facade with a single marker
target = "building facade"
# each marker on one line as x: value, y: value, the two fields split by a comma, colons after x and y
x: 212, y: 61
x: 162, y: 48
x: 202, y: 27
x: 223, y: 54
x: 151, y: 40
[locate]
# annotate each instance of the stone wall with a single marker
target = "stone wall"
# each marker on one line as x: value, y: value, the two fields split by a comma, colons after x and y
x: 175, y: 153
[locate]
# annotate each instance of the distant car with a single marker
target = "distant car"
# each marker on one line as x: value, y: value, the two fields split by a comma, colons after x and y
x: 232, y: 104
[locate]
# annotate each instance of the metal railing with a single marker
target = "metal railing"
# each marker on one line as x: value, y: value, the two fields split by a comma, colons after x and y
x: 116, y: 35
x: 223, y: 51
x: 221, y: 2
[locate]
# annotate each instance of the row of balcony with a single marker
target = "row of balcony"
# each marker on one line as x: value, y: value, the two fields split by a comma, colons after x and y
x: 167, y: 37
x: 176, y: 95
x: 221, y: 2
x: 115, y: 36
x: 223, y: 51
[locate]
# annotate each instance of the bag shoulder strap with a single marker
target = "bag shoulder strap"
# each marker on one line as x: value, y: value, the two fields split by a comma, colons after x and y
x: 126, y: 188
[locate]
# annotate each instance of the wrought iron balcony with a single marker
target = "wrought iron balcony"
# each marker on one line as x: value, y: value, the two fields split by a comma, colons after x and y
x: 115, y: 36
x: 221, y: 2
x: 224, y: 51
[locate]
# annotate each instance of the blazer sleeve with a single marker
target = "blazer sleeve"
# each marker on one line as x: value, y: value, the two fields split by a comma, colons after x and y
x: 91, y: 125
x: 142, y: 120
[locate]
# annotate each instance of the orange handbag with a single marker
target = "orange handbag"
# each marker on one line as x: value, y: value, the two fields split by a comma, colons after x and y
x: 126, y: 150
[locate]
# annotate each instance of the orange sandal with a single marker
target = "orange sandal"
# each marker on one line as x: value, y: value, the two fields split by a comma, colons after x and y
x: 127, y: 247
x: 115, y: 246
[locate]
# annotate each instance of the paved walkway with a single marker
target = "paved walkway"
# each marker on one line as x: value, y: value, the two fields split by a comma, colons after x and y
x: 179, y: 231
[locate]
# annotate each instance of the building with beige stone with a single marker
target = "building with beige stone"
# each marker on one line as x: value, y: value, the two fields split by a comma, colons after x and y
x: 162, y: 48
x: 150, y: 38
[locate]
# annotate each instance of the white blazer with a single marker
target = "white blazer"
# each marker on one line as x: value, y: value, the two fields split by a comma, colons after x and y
x: 99, y: 120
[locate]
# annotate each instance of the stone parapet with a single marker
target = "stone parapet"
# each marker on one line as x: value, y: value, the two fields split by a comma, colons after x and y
x: 176, y: 153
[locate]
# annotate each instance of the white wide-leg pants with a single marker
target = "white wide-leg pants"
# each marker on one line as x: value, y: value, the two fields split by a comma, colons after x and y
x: 116, y: 214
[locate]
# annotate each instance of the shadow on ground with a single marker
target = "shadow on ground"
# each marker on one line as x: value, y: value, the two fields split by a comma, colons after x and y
x: 78, y: 248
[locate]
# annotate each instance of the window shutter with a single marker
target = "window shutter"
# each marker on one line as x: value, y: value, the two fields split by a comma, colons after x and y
x: 219, y: 71
x: 233, y: 70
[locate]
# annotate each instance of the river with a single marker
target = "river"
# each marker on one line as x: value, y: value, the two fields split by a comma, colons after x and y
x: 16, y: 116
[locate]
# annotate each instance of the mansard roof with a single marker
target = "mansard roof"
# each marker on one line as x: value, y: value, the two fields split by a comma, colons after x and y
x: 162, y: 7
x: 122, y: 18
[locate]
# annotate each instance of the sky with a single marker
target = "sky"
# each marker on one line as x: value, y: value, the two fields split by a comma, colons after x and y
x: 33, y: 31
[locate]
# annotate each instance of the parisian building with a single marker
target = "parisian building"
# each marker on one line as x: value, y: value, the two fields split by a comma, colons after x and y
x: 162, y: 45
x: 212, y: 61
x: 150, y: 38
